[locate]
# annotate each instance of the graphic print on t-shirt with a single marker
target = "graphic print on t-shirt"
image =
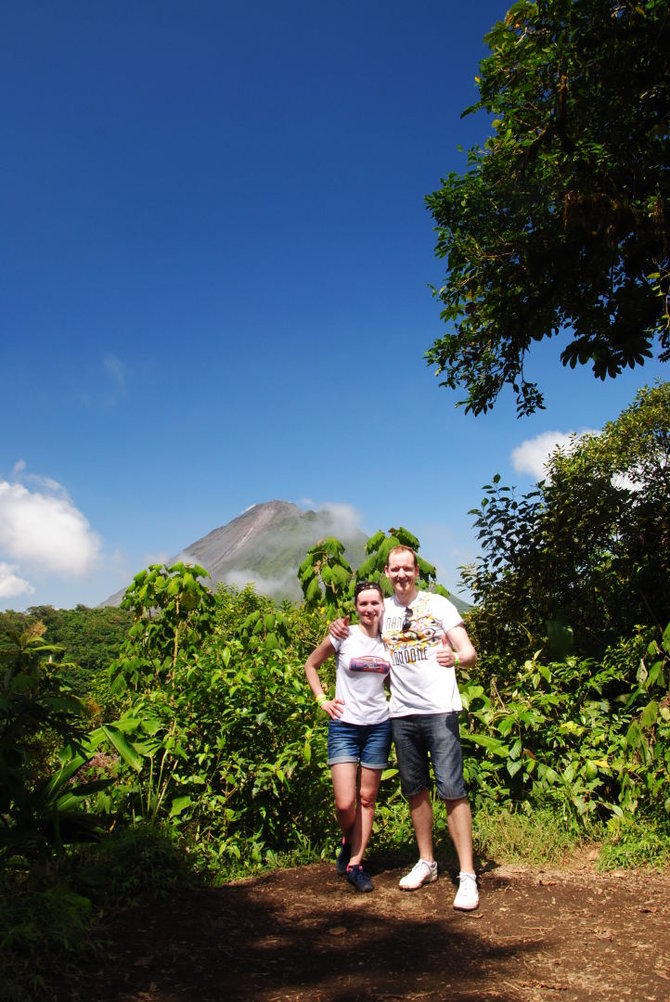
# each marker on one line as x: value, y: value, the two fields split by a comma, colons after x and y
x: 412, y: 644
x: 367, y: 662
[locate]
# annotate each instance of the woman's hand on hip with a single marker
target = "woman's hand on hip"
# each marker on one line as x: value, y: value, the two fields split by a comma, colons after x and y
x: 333, y: 707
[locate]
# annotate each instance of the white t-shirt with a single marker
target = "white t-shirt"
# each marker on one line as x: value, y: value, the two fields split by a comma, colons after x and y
x: 419, y: 684
x: 362, y: 666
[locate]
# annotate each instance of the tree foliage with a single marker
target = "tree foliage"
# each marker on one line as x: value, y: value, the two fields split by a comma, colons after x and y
x: 586, y: 551
x: 43, y: 747
x: 562, y: 220
x: 172, y: 609
x: 91, y: 637
x: 328, y: 582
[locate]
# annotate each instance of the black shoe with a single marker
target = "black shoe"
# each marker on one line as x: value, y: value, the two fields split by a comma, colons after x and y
x: 357, y: 876
x: 343, y: 857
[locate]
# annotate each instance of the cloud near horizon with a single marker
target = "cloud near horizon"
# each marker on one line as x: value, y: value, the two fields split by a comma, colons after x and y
x: 532, y: 455
x: 42, y: 531
x: 11, y: 585
x: 275, y: 587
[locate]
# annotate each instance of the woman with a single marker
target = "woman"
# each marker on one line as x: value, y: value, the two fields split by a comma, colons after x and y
x: 359, y: 730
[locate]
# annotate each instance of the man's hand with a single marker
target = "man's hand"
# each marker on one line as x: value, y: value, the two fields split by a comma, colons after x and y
x: 456, y: 650
x: 340, y: 628
x: 446, y: 656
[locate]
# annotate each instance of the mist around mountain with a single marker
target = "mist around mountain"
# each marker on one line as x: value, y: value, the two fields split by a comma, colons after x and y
x: 267, y: 543
x: 265, y: 546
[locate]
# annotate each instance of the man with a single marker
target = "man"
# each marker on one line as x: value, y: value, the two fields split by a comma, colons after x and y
x: 427, y: 642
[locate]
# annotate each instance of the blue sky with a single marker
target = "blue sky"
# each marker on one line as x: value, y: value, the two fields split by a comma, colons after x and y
x: 214, y: 269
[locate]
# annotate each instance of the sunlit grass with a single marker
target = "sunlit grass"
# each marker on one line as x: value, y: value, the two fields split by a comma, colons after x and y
x: 633, y: 842
x: 537, y: 837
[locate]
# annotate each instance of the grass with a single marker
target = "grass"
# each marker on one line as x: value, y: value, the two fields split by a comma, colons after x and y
x: 631, y: 842
x: 539, y: 837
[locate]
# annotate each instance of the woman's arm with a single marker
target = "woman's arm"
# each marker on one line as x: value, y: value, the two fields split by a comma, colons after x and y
x: 333, y: 707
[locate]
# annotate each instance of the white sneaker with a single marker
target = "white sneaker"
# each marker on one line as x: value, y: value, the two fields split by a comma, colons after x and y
x: 467, y: 896
x: 421, y: 873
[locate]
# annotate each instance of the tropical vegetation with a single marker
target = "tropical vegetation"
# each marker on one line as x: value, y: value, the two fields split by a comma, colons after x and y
x: 191, y: 735
x: 560, y: 223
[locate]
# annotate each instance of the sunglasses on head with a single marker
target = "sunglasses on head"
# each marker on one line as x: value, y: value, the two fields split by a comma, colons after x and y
x: 365, y: 586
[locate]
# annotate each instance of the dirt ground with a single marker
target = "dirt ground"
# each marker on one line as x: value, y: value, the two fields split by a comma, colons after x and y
x: 300, y: 934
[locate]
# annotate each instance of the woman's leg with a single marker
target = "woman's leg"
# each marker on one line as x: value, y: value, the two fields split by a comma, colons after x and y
x: 344, y: 786
x: 367, y: 795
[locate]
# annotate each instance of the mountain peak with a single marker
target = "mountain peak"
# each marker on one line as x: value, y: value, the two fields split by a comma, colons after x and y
x: 265, y: 545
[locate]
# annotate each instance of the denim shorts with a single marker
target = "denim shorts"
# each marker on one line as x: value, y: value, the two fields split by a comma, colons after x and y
x: 435, y: 734
x: 368, y: 744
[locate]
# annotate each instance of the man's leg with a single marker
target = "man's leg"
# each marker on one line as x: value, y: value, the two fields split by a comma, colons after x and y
x: 447, y: 756
x: 459, y: 819
x: 448, y: 765
x: 460, y: 829
x: 421, y: 810
x: 414, y: 781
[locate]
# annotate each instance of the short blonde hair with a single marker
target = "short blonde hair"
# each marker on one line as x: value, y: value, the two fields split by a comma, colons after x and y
x: 402, y: 549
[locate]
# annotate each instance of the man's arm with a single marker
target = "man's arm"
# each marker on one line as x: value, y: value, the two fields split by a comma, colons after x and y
x: 457, y: 650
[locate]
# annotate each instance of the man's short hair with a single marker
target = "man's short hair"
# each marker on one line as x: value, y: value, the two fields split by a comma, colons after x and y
x: 402, y: 549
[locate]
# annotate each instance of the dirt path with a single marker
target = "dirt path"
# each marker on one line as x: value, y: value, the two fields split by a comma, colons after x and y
x: 305, y: 934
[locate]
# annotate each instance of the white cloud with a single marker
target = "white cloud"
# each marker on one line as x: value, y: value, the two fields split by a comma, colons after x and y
x: 346, y: 518
x: 43, y: 529
x: 532, y: 455
x: 159, y: 557
x: 11, y: 584
x: 116, y: 371
x: 107, y: 383
x: 276, y: 587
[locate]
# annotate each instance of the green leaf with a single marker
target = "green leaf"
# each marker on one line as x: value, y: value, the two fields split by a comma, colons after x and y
x: 123, y: 747
x: 649, y: 714
x: 491, y: 744
x: 180, y: 804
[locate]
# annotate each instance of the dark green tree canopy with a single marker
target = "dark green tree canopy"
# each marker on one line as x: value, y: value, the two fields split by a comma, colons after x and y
x: 561, y: 222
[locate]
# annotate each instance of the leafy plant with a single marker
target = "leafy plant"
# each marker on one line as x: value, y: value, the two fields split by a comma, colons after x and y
x: 590, y: 741
x: 37, y: 712
x: 172, y: 612
x: 328, y: 581
x: 325, y: 576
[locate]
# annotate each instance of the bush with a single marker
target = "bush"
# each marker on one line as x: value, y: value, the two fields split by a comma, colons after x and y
x: 45, y: 937
x: 589, y: 740
x: 632, y: 841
